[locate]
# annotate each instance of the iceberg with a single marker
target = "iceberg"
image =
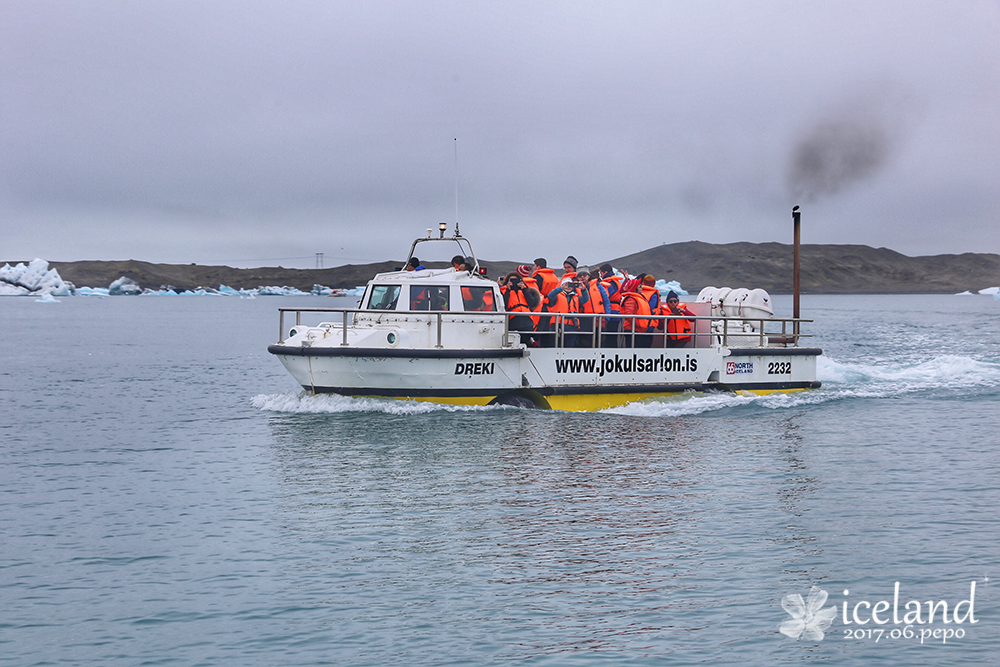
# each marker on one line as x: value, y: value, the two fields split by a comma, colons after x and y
x: 271, y: 290
x: 35, y: 278
x: 663, y: 287
x: 92, y: 291
x: 990, y: 290
x: 124, y: 286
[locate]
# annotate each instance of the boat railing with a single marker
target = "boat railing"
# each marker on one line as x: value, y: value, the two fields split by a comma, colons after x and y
x: 706, y: 331
x: 603, y: 330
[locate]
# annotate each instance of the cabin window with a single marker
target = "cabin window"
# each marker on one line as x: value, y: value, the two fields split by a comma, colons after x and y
x: 383, y: 297
x: 428, y: 297
x: 478, y: 298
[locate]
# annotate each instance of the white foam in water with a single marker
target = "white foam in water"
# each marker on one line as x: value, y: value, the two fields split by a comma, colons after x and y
x: 840, y: 381
x: 304, y: 403
x: 688, y: 403
x: 941, y: 371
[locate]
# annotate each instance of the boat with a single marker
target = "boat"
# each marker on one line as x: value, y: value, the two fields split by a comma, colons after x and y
x: 442, y: 335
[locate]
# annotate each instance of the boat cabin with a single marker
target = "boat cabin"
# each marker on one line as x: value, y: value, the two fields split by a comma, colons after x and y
x: 433, y: 290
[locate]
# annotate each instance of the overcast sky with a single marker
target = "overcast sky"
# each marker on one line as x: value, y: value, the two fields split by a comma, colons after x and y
x: 260, y: 133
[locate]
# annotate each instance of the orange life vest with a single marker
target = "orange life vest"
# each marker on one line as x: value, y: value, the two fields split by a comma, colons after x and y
x: 487, y: 299
x: 635, y: 304
x: 678, y: 330
x: 516, y: 303
x: 596, y: 303
x: 613, y: 284
x: 649, y: 292
x: 565, y: 305
x: 549, y: 281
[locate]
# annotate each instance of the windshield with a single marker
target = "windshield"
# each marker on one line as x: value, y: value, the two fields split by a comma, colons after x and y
x: 478, y: 298
x: 383, y: 297
x: 429, y: 297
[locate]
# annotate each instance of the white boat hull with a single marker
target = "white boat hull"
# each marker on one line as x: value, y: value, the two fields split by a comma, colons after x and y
x: 567, y: 379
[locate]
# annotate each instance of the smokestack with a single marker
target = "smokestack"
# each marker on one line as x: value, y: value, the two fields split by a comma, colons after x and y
x: 796, y: 219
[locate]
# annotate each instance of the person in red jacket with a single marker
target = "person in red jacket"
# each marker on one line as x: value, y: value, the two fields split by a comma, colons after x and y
x: 634, y: 302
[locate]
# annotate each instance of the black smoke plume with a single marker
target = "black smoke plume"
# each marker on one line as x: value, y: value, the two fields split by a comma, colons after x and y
x: 836, y: 154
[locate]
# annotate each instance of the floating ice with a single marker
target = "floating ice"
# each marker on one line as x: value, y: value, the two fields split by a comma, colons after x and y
x: 35, y: 278
x: 990, y: 290
x: 663, y: 287
x: 271, y: 290
x: 124, y: 286
x: 48, y: 298
x: 91, y: 291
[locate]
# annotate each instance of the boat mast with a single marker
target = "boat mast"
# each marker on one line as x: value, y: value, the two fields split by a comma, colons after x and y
x: 456, y: 187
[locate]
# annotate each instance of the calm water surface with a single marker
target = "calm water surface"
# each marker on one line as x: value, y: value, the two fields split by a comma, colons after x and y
x: 168, y: 497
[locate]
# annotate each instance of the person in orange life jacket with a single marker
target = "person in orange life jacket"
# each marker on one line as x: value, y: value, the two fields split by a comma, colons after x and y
x: 612, y: 284
x: 650, y: 292
x: 457, y: 263
x: 678, y: 332
x: 567, y: 299
x: 525, y: 273
x: 597, y: 302
x: 634, y: 302
x: 544, y: 277
x: 520, y: 299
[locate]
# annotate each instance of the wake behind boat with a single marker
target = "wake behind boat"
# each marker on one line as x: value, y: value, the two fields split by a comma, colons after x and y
x: 443, y: 335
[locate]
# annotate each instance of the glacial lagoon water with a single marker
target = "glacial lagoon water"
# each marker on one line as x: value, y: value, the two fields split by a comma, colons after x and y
x: 168, y: 497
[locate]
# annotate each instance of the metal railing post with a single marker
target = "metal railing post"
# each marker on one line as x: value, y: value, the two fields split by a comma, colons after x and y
x: 344, y: 327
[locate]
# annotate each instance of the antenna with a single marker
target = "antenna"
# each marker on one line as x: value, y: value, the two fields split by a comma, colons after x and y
x: 456, y: 187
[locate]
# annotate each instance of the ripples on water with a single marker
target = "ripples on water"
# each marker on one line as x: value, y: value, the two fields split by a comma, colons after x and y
x: 174, y: 501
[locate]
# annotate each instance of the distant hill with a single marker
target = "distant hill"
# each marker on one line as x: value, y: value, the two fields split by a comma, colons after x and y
x: 826, y: 269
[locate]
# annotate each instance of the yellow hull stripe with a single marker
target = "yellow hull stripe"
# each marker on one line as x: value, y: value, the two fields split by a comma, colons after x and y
x: 580, y: 402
